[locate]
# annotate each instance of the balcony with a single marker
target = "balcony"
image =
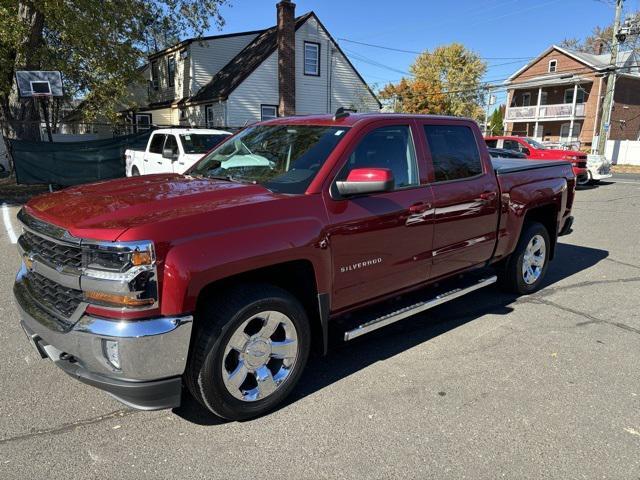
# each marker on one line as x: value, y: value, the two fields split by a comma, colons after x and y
x: 560, y: 111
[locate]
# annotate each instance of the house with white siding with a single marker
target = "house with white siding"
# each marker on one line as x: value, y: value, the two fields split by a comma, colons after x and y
x: 232, y: 80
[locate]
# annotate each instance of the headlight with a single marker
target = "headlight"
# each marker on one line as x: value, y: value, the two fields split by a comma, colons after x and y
x: 118, y: 258
x: 120, y: 275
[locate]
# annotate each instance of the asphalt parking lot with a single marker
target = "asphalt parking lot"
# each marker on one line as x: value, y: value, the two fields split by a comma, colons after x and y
x: 489, y: 386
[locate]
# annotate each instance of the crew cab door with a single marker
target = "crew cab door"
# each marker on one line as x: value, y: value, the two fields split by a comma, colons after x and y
x: 380, y: 242
x: 152, y: 162
x: 465, y: 196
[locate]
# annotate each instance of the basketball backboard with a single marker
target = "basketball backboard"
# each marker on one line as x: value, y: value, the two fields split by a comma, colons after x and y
x: 39, y: 83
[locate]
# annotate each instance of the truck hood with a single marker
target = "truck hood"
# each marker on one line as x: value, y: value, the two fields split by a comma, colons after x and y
x: 105, y: 210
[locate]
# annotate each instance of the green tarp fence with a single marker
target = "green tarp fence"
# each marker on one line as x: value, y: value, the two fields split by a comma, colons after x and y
x: 73, y: 163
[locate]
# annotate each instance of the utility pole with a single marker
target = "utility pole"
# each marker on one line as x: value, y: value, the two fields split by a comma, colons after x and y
x: 605, y: 120
x: 491, y: 99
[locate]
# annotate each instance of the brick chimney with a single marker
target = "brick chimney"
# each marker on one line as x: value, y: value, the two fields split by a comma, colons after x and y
x: 599, y: 47
x: 286, y: 58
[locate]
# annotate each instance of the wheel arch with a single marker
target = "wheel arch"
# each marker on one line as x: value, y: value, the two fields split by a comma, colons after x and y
x: 547, y: 215
x: 297, y: 277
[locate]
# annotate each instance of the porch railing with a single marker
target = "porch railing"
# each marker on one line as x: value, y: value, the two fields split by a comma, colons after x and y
x: 561, y: 110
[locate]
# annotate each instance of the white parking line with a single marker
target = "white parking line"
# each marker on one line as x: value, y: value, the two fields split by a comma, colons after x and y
x: 629, y: 182
x: 8, y: 226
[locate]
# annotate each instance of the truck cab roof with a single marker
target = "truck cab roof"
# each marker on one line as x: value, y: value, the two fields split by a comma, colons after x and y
x: 192, y: 131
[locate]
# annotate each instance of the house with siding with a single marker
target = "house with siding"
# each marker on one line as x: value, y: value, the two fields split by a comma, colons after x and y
x: 558, y: 97
x: 293, y: 68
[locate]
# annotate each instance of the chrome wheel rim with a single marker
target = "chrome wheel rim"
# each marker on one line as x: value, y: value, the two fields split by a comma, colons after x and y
x: 260, y: 356
x: 533, y: 260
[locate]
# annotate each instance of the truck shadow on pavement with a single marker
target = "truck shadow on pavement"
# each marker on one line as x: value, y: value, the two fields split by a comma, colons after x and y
x: 344, y: 359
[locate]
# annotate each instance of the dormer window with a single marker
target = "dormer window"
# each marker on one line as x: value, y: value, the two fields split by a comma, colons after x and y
x: 553, y: 65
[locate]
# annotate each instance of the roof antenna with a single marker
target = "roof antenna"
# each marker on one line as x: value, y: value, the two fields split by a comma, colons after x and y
x: 342, y: 112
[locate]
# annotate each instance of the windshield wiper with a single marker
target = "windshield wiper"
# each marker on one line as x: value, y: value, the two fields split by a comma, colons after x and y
x: 229, y: 178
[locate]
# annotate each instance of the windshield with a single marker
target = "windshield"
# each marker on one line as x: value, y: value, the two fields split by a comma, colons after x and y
x: 283, y: 158
x: 535, y: 144
x: 201, y: 142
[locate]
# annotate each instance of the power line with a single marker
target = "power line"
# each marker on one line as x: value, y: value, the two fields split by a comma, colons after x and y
x: 393, y: 49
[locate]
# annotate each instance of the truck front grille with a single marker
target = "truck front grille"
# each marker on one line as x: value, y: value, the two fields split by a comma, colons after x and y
x: 55, y: 253
x: 54, y: 297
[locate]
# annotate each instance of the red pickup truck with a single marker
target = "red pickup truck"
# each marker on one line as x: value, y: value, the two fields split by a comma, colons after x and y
x: 537, y: 151
x: 224, y: 278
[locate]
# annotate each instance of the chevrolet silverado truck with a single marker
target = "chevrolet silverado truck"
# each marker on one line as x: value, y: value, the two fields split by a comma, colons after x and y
x: 534, y: 150
x: 223, y: 279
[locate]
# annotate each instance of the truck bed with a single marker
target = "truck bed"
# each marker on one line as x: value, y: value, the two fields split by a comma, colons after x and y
x: 509, y: 165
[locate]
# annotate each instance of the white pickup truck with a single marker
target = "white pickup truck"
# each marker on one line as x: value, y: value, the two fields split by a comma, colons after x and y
x: 172, y: 150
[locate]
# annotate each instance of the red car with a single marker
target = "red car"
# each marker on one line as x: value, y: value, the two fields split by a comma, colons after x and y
x: 224, y: 278
x: 534, y: 150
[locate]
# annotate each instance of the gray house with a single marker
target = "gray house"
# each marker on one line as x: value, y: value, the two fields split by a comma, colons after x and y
x: 293, y: 68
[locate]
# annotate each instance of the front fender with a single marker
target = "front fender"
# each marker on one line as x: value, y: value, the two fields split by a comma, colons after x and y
x: 192, y: 265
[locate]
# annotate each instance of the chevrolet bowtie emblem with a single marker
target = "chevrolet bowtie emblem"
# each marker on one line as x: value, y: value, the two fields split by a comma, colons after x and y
x: 28, y: 262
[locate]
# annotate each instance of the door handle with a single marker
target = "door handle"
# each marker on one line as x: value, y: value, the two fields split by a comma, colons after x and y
x: 488, y: 196
x: 419, y: 207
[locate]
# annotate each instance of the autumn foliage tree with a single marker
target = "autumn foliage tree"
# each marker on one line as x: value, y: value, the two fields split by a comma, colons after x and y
x: 446, y: 81
x: 97, y: 45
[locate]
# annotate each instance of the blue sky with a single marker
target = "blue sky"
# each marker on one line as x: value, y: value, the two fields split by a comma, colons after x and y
x: 500, y: 29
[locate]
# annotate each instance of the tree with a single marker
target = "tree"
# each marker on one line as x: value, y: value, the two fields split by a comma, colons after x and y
x: 445, y: 81
x: 97, y: 45
x: 600, y: 39
x: 496, y: 121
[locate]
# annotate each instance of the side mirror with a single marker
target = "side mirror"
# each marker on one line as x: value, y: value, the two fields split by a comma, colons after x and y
x: 168, y: 153
x: 366, y: 180
x: 526, y: 151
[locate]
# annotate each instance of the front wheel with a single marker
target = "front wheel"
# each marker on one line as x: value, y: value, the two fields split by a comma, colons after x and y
x: 524, y: 270
x: 249, y: 352
x: 135, y: 172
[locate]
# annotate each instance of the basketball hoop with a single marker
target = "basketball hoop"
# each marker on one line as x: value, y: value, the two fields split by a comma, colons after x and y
x: 39, y: 83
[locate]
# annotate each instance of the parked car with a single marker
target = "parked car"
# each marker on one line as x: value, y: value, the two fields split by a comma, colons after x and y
x: 224, y: 278
x: 598, y: 168
x: 172, y: 150
x: 504, y: 153
x: 535, y: 150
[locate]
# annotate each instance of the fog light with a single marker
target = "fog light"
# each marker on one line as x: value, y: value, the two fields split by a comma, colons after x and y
x: 111, y: 352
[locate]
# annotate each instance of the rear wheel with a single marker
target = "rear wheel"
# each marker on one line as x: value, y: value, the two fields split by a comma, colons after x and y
x: 135, y: 172
x: 249, y: 353
x: 523, y: 272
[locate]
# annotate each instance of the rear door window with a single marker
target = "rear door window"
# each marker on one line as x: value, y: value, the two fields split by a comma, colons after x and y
x: 512, y: 145
x: 157, y: 141
x: 492, y: 143
x: 454, y: 152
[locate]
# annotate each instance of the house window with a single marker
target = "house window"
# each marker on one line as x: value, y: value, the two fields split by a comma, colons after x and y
x: 143, y: 121
x: 312, y: 59
x: 565, y: 132
x: 268, y: 112
x: 568, y: 95
x: 171, y: 70
x: 209, y: 115
x: 526, y: 99
x: 553, y: 66
x: 543, y: 98
x: 183, y: 114
x: 155, y: 75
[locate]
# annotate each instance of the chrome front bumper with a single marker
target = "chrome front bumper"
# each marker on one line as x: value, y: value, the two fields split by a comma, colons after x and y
x: 152, y: 352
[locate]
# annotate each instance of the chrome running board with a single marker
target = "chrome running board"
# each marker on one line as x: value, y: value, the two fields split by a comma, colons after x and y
x: 411, y: 310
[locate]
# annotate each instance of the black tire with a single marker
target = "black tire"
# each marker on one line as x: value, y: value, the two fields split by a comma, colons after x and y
x: 216, y: 322
x: 510, y: 274
x: 135, y: 172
